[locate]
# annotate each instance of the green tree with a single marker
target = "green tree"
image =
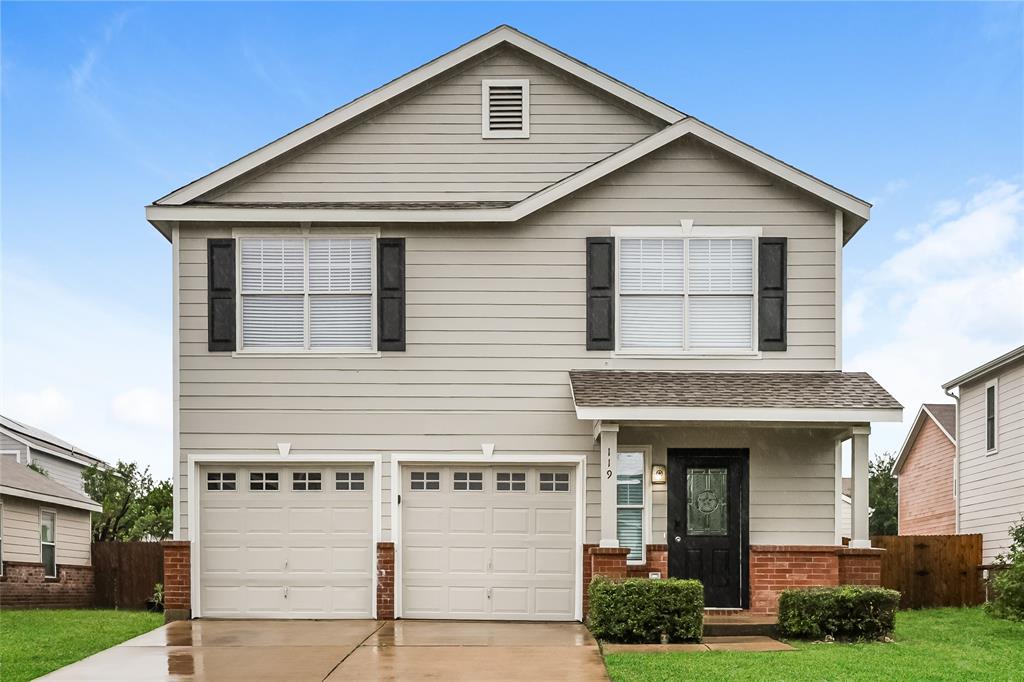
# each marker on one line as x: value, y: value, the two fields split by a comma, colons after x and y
x: 135, y: 507
x: 883, y: 496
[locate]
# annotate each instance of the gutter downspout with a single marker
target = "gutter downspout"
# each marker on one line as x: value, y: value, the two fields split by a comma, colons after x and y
x: 956, y: 462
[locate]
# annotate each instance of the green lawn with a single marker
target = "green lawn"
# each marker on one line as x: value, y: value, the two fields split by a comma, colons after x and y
x: 35, y: 642
x: 934, y: 644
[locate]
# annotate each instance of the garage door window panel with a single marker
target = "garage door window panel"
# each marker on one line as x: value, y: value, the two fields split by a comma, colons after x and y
x: 306, y: 481
x: 510, y: 482
x: 264, y: 481
x: 221, y: 481
x: 554, y: 482
x: 425, y: 480
x: 349, y: 481
x: 468, y: 481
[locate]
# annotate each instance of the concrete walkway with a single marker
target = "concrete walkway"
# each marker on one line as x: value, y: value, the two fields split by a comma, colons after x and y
x: 347, y: 650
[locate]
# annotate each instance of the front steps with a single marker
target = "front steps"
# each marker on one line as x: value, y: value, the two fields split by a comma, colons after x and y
x: 738, y: 623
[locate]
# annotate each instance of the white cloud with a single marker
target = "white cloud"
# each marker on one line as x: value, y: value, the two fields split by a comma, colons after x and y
x: 947, y: 302
x: 44, y: 406
x: 96, y: 372
x: 146, y: 407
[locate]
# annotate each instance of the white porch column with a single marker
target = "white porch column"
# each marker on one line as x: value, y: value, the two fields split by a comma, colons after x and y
x: 609, y: 437
x: 859, y: 493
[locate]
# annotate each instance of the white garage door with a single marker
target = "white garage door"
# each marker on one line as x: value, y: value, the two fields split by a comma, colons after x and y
x: 484, y: 542
x: 286, y: 542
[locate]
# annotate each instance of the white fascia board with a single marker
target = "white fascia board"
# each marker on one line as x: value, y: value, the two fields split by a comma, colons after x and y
x: 412, y: 79
x: 980, y: 372
x: 49, y: 499
x: 739, y: 414
x: 160, y: 213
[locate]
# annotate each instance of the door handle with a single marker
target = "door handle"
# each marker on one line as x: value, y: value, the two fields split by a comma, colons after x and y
x: 678, y: 539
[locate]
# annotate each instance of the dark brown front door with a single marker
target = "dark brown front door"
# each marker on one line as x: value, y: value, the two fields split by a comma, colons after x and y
x: 707, y: 522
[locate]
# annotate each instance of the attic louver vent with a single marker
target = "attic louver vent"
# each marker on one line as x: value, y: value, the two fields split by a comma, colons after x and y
x: 506, y: 108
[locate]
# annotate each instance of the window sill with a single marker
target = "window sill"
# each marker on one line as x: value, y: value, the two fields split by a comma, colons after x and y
x: 252, y: 353
x: 988, y: 453
x: 671, y: 354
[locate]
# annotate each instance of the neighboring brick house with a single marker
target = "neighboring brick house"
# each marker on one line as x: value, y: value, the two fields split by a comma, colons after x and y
x: 925, y: 470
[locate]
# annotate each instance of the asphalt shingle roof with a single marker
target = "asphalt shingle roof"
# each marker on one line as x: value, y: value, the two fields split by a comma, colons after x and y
x: 15, y: 477
x: 945, y: 414
x: 814, y: 390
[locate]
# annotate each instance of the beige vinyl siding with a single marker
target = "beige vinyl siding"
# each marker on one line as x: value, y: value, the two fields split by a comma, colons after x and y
x: 60, y: 470
x: 8, y: 444
x: 792, y: 480
x: 992, y: 485
x: 21, y: 532
x: 430, y: 147
x: 496, y: 315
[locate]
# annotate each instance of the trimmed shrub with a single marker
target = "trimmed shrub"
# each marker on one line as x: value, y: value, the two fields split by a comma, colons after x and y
x: 847, y: 613
x: 1007, y: 580
x: 638, y: 611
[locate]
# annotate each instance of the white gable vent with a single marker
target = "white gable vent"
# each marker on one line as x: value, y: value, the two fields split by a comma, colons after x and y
x: 506, y: 108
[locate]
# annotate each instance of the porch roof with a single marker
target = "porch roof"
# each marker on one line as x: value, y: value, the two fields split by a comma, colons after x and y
x: 612, y: 394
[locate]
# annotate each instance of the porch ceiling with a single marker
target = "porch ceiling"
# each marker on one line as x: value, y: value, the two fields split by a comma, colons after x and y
x: 853, y: 397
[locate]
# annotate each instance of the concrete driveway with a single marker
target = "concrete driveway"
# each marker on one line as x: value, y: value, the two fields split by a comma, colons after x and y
x: 347, y: 650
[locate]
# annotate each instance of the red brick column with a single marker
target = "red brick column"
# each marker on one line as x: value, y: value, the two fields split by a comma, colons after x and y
x: 177, y: 580
x: 774, y: 568
x: 860, y: 566
x: 609, y: 562
x: 385, y: 581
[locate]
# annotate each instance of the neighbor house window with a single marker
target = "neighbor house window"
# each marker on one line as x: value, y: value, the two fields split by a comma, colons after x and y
x: 306, y: 481
x: 510, y: 482
x: 349, y: 480
x: 468, y: 480
x: 307, y: 294
x: 220, y: 480
x: 991, y: 418
x: 686, y: 294
x: 263, y: 480
x: 629, y: 499
x: 48, y: 542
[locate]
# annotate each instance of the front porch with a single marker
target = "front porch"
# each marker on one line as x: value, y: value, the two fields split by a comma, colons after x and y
x: 746, y: 499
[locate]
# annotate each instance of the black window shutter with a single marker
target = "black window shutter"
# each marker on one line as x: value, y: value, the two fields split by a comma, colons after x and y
x: 600, y: 293
x: 391, y: 293
x: 771, y: 293
x: 220, y: 294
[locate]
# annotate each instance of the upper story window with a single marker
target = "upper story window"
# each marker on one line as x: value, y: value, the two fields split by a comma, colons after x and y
x: 307, y: 294
x: 991, y: 416
x: 686, y: 295
x: 506, y: 108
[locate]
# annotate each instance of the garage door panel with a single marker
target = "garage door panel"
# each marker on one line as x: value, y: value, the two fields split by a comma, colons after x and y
x: 486, y: 554
x: 286, y: 553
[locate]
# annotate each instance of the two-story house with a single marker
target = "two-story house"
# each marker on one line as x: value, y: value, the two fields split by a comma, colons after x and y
x: 498, y: 326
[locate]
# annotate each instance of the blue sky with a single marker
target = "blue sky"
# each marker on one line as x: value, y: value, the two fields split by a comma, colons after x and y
x: 916, y: 107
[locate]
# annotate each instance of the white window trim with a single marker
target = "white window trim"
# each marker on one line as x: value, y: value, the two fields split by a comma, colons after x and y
x: 994, y: 385
x: 485, y: 109
x: 196, y: 460
x: 306, y: 234
x: 686, y: 231
x: 647, y: 517
x: 56, y: 570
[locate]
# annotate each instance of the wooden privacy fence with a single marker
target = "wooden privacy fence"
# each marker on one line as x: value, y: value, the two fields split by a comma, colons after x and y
x: 932, y: 570
x: 125, y: 573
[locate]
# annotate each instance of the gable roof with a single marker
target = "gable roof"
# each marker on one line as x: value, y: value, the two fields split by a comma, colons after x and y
x: 942, y: 414
x: 17, y: 480
x: 990, y: 366
x: 44, y: 441
x: 186, y: 203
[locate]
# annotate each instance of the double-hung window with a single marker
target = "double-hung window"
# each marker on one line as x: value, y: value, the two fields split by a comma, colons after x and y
x: 686, y: 295
x: 48, y: 542
x: 629, y: 500
x: 311, y: 294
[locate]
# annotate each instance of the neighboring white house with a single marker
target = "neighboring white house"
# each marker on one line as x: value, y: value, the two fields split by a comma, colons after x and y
x: 989, y: 469
x: 500, y: 324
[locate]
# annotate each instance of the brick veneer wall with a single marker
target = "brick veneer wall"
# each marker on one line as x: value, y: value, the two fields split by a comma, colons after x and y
x: 24, y: 586
x: 656, y: 560
x: 774, y: 568
x: 860, y: 566
x: 609, y: 562
x: 385, y: 581
x: 177, y: 580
